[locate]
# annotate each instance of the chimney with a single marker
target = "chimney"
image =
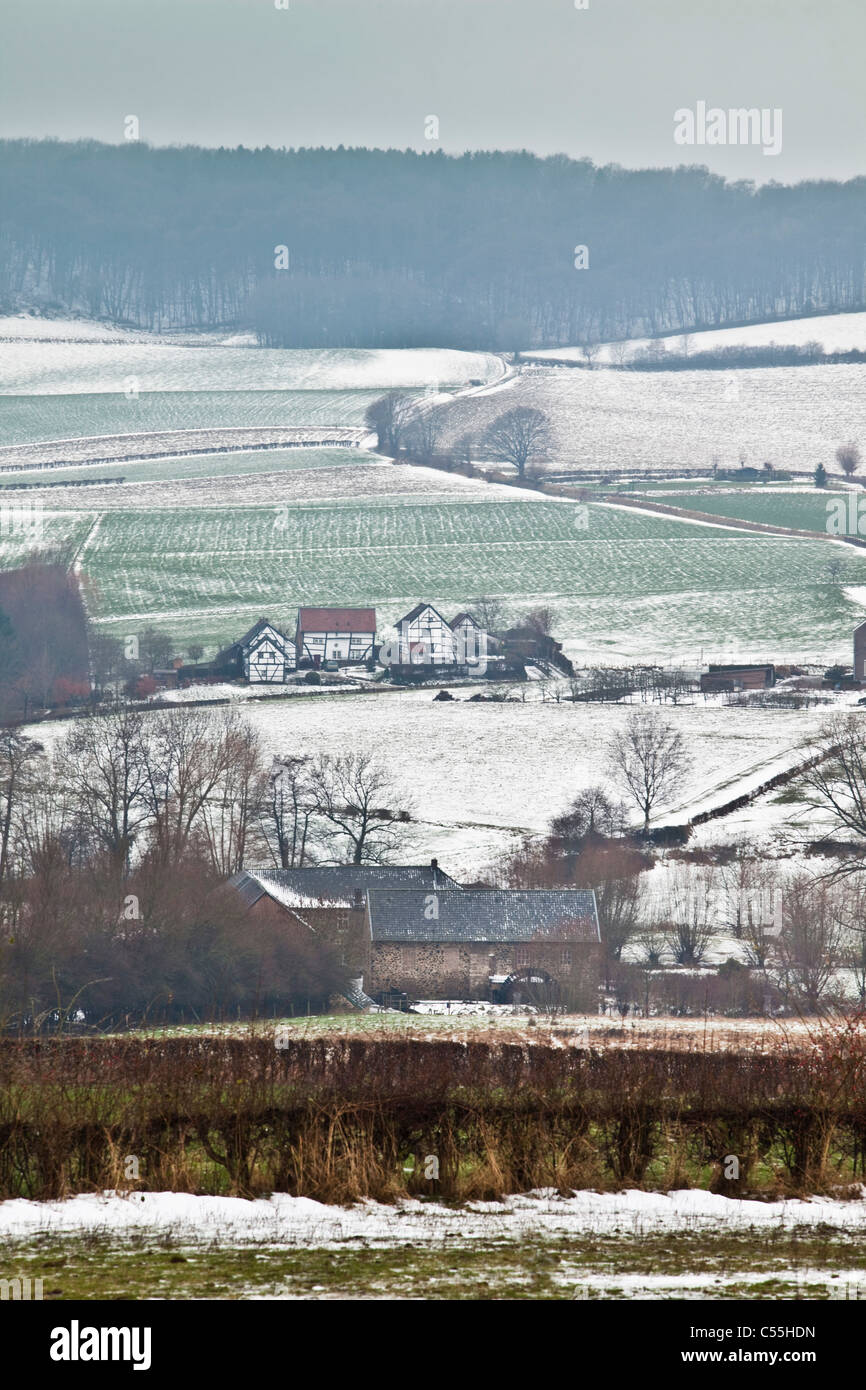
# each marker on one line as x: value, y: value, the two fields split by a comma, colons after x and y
x: 434, y: 865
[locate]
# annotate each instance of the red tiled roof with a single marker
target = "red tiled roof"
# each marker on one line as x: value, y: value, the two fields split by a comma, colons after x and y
x: 337, y: 619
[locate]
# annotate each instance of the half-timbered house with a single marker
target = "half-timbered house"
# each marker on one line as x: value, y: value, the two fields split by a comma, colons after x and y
x: 263, y: 656
x: 426, y: 638
x: 344, y: 636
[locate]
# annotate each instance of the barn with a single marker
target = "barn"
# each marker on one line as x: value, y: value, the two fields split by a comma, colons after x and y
x: 719, y: 679
x: 414, y: 930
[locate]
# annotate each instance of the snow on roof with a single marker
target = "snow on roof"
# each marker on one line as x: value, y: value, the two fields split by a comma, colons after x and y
x: 483, y: 915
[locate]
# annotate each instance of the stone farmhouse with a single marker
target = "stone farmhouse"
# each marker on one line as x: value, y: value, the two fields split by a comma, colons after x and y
x: 414, y: 930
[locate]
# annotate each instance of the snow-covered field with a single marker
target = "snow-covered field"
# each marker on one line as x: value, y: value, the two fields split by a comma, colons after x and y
x: 533, y: 1216
x: 609, y: 420
x: 484, y: 776
x: 835, y: 333
x: 30, y: 366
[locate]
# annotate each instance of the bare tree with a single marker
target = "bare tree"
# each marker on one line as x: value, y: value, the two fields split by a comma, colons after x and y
x: 589, y: 352
x: 107, y: 661
x: 688, y: 915
x: 836, y: 780
x: 751, y: 905
x: 359, y: 806
x: 102, y: 763
x: 648, y: 758
x: 389, y: 416
x: 811, y: 941
x: 195, y: 651
x: 287, y: 811
x: 188, y: 753
x: 520, y: 436
x: 156, y: 648
x: 234, y: 805
x: 849, y: 911
x: 848, y: 458
x: 619, y: 353
x: 462, y: 449
x: 489, y: 612
x: 20, y: 761
x: 592, y: 813
x: 422, y: 433
x: 542, y: 620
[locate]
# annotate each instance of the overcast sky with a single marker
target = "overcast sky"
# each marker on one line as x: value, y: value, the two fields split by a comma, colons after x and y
x: 601, y: 82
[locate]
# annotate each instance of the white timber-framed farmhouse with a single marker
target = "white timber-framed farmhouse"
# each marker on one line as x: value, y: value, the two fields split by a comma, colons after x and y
x: 263, y: 656
x: 426, y: 638
x: 345, y: 636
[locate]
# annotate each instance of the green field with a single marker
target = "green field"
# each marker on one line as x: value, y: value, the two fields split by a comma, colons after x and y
x: 710, y: 1263
x: 27, y: 419
x: 805, y: 511
x: 191, y: 466
x: 203, y: 571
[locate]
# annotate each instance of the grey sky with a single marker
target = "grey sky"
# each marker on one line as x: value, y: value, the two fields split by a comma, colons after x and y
x: 506, y: 74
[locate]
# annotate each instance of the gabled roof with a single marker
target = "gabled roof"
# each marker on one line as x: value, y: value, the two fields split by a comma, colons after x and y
x: 463, y: 618
x: 484, y: 915
x: 248, y: 637
x: 417, y: 611
x: 337, y: 619
x: 335, y: 885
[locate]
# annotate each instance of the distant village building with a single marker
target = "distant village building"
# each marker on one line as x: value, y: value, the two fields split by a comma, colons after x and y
x: 263, y: 656
x: 726, y: 679
x: 528, y: 644
x: 471, y: 641
x: 426, y: 638
x: 344, y: 636
x: 414, y: 930
x: 860, y: 652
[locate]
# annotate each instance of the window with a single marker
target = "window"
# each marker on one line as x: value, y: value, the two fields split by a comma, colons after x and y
x: 565, y: 956
x: 521, y: 955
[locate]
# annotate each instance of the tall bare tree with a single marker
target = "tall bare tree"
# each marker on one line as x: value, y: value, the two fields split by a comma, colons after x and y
x: 389, y: 416
x: 359, y: 807
x: 422, y: 433
x: 648, y: 759
x: 520, y: 436
x: 102, y: 762
x: 187, y: 754
x: 288, y: 807
x: 811, y: 943
x: 20, y: 761
x: 688, y: 914
x: 836, y: 780
x: 234, y: 805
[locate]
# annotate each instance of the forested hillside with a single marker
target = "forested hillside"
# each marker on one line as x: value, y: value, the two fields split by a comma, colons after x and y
x: 391, y: 248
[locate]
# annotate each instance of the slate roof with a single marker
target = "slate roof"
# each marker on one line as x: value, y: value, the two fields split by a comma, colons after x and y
x: 336, y: 884
x: 463, y: 618
x: 416, y: 613
x: 336, y: 620
x: 484, y: 915
x: 229, y: 652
